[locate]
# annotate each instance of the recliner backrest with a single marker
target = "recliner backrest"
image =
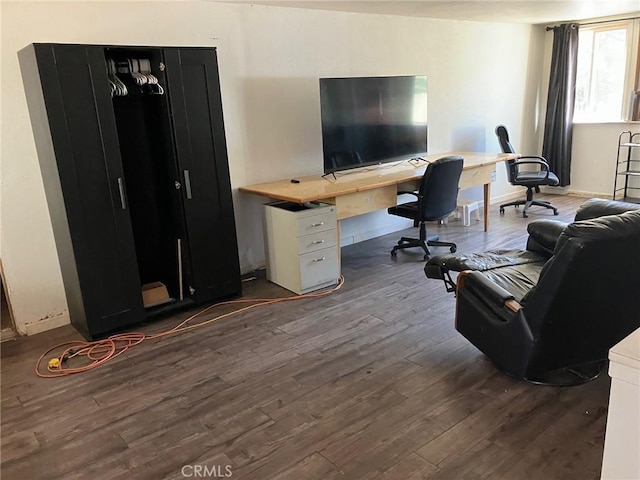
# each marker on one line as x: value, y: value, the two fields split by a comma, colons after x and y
x: 439, y: 188
x: 599, y: 207
x: 588, y: 295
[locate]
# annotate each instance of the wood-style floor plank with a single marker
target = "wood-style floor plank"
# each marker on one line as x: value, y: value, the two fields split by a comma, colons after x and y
x: 369, y: 383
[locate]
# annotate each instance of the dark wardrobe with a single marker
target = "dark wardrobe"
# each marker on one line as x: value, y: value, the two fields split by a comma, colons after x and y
x: 133, y: 156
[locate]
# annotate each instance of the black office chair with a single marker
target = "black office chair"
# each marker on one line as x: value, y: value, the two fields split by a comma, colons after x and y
x: 437, y: 199
x: 530, y: 179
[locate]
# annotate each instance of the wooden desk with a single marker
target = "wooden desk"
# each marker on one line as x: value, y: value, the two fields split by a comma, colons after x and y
x: 355, y: 192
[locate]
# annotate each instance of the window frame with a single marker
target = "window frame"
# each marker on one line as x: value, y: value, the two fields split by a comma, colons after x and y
x: 631, y: 81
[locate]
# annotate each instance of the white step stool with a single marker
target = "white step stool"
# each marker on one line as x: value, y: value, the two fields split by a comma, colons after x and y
x: 464, y: 210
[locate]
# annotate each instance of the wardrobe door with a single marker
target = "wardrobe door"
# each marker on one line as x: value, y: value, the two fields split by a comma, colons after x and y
x: 196, y: 107
x: 91, y: 221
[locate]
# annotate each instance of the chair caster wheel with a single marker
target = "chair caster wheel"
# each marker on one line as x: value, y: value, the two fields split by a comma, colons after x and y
x: 425, y: 257
x: 453, y: 249
x: 524, y: 215
x: 555, y: 212
x: 394, y: 254
x: 502, y: 210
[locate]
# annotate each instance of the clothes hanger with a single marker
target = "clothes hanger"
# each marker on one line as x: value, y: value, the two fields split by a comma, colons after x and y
x: 134, y: 70
x: 152, y: 81
x: 118, y: 88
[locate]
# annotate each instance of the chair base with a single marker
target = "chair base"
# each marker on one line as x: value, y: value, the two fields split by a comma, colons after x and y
x: 422, y: 242
x: 570, y: 376
x: 529, y: 202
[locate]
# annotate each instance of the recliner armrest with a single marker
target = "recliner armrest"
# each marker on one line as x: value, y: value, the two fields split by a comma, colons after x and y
x: 544, y: 234
x: 496, y: 298
x: 480, y: 284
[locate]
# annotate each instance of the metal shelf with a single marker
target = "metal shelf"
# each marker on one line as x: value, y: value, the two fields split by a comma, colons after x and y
x: 627, y: 142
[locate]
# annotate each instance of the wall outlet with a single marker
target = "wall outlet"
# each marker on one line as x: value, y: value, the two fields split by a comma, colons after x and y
x: 493, y: 176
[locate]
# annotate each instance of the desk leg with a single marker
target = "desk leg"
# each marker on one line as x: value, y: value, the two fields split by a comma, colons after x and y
x: 339, y: 249
x: 487, y: 199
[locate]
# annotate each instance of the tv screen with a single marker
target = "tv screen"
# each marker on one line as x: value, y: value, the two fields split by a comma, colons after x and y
x: 372, y: 120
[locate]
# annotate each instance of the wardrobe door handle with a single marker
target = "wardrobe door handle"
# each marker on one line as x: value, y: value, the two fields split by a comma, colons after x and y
x: 123, y: 201
x: 187, y: 184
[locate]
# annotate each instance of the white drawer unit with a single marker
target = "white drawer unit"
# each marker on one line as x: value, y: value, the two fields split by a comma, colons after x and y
x: 301, y: 245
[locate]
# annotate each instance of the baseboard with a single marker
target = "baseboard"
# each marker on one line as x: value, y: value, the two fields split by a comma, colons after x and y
x: 43, y: 325
x: 505, y: 198
x: 247, y: 269
x: 7, y: 334
x: 551, y: 191
x: 581, y: 193
x: 369, y: 234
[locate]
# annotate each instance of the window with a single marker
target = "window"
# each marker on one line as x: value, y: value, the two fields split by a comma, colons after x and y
x: 605, y: 74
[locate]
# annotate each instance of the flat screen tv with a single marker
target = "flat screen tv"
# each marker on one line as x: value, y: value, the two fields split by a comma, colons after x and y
x: 372, y: 120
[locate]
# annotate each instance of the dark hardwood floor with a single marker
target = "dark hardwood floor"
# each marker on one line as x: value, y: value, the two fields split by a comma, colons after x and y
x: 371, y: 382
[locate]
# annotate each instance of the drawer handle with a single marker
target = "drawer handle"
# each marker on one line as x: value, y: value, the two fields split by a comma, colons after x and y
x: 187, y: 184
x: 123, y: 200
x: 317, y: 224
x: 318, y: 241
x: 315, y: 260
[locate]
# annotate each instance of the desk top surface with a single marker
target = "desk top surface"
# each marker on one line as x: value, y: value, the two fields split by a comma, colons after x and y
x: 316, y: 187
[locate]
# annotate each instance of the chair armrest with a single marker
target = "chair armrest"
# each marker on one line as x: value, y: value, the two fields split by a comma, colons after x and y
x: 545, y: 234
x: 533, y: 160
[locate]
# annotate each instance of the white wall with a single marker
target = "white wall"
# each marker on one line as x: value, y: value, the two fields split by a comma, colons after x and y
x: 270, y: 59
x: 593, y: 157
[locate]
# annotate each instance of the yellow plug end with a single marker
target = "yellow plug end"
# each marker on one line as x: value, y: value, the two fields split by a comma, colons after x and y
x: 54, y: 363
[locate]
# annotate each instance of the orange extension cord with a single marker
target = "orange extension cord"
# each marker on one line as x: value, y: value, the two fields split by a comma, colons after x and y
x: 101, y: 351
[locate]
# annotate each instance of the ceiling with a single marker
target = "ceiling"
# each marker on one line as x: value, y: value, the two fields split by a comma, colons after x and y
x: 508, y: 11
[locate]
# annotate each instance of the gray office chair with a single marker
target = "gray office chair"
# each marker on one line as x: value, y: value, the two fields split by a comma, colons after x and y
x: 436, y: 199
x: 525, y: 178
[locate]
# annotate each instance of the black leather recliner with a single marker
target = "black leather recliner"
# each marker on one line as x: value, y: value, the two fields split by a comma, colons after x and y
x: 549, y: 314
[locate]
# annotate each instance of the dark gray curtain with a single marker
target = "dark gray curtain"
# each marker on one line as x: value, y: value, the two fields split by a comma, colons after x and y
x: 558, y: 128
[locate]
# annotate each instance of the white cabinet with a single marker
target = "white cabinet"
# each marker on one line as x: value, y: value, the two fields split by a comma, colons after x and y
x: 621, y: 459
x: 302, y: 245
